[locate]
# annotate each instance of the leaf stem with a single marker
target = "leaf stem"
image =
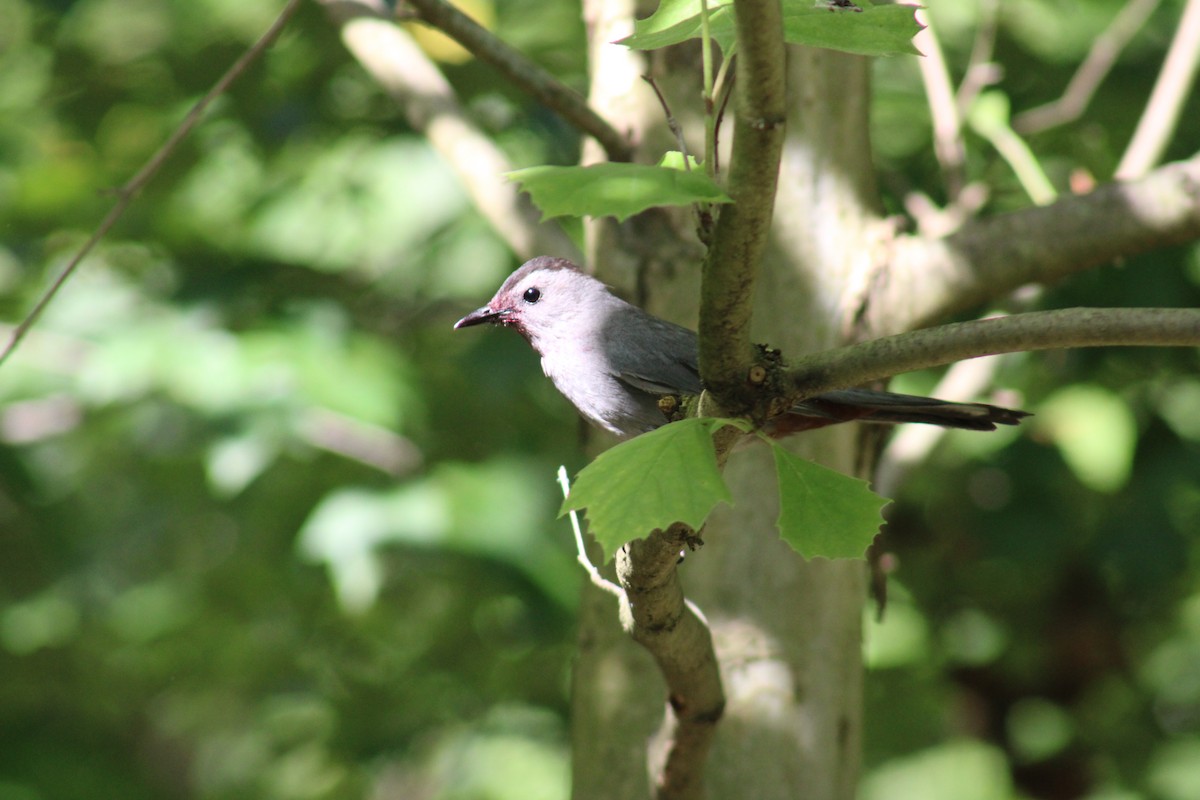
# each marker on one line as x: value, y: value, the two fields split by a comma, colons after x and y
x: 580, y: 548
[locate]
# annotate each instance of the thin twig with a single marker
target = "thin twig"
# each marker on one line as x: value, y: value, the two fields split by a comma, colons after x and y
x: 725, y: 80
x: 524, y: 73
x: 127, y: 193
x: 710, y: 111
x: 1171, y: 91
x: 1087, y: 78
x: 1037, y: 330
x: 934, y: 222
x: 581, y: 548
x: 981, y: 72
x: 947, y: 122
x: 389, y: 55
x: 672, y: 123
x: 702, y: 211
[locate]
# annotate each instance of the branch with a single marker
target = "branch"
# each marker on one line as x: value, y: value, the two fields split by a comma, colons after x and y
x: 740, y: 236
x: 397, y: 64
x: 981, y: 71
x: 1037, y: 330
x: 129, y: 192
x: 523, y: 73
x: 659, y: 618
x: 948, y: 144
x: 987, y: 258
x: 1171, y: 91
x: 1087, y: 78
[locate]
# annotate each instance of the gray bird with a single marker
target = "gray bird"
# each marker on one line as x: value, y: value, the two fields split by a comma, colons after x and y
x: 614, y: 361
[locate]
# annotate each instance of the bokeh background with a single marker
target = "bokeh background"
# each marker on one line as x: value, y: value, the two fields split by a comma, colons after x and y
x: 269, y: 528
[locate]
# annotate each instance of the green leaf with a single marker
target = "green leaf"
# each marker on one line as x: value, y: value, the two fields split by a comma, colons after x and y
x: 823, y: 513
x: 869, y: 30
x: 664, y: 476
x: 618, y: 190
x: 874, y: 31
x: 677, y: 21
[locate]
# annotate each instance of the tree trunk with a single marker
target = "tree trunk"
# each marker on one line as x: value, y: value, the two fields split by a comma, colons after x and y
x: 787, y: 632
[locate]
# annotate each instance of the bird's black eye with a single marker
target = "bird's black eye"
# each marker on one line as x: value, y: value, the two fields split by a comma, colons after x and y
x: 532, y: 295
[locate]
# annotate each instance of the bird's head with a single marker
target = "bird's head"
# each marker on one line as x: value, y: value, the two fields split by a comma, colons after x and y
x: 543, y: 300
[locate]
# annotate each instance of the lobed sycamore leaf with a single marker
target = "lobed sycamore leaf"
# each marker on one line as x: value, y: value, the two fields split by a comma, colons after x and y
x: 618, y: 190
x: 676, y: 21
x: 868, y: 30
x: 823, y: 513
x: 664, y: 476
x: 875, y: 31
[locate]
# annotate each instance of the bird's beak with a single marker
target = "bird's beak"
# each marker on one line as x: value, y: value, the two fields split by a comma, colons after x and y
x: 482, y: 315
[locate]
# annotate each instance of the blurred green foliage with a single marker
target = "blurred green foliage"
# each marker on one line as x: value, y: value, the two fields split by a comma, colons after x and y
x: 269, y: 529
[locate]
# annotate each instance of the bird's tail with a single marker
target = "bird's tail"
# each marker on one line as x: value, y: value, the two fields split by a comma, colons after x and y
x: 864, y: 405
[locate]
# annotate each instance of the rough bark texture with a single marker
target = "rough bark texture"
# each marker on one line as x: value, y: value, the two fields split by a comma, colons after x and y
x: 787, y: 632
x: 988, y: 257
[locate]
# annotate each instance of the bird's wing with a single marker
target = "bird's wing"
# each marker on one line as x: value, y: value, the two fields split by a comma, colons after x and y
x: 652, y: 386
x: 654, y: 355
